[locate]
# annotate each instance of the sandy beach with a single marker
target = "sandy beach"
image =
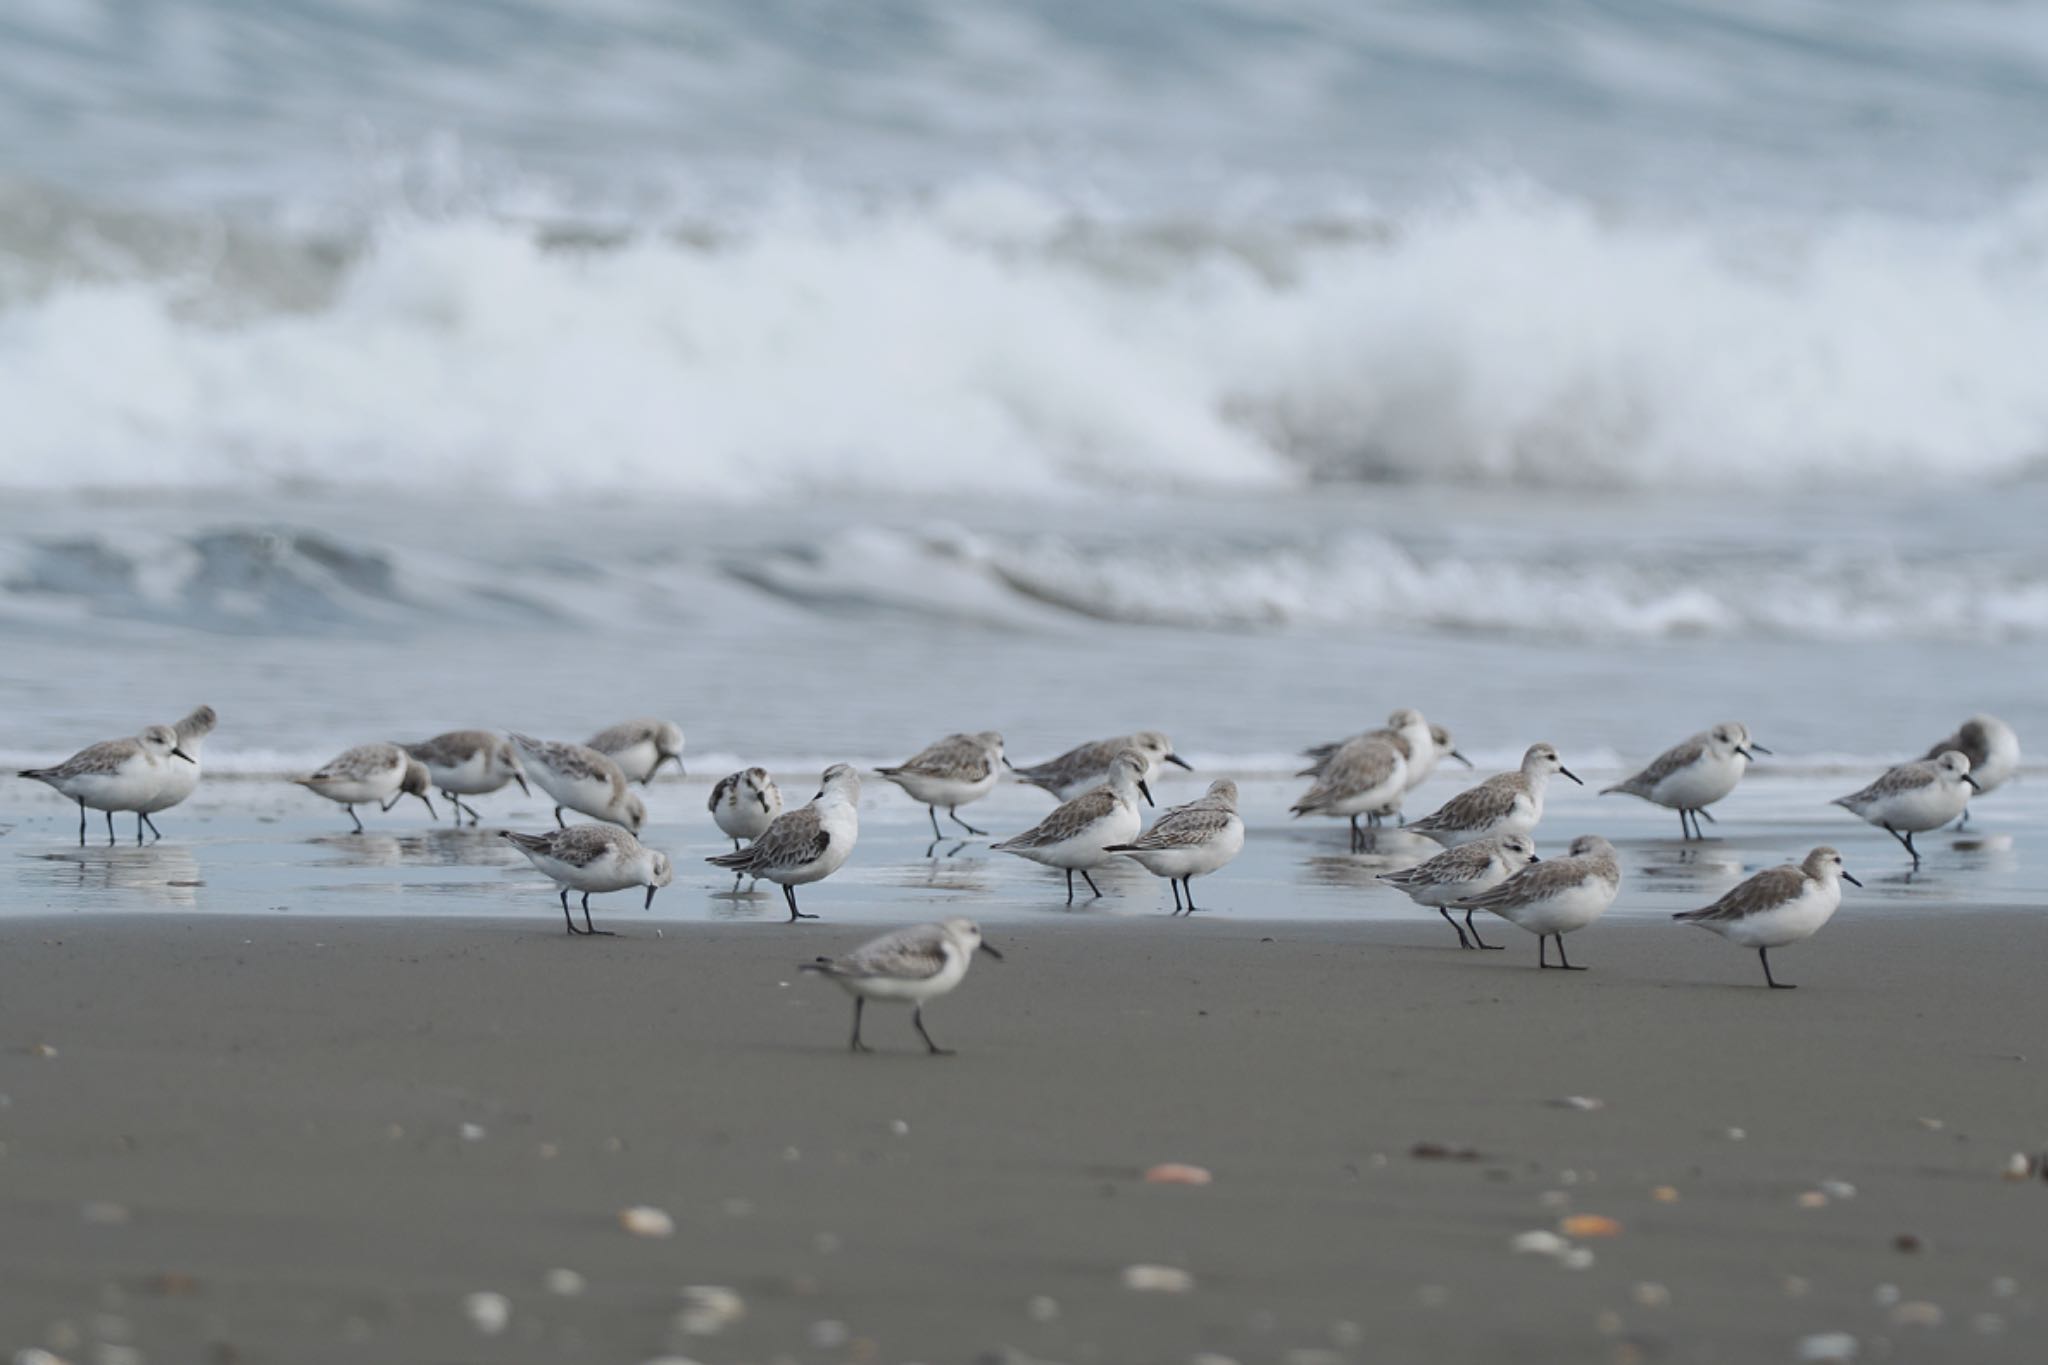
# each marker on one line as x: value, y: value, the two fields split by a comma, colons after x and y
x: 310, y: 1139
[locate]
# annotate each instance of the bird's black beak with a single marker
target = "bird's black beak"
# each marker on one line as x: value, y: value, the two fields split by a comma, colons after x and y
x: 1572, y: 775
x: 1180, y: 762
x: 1534, y: 859
x: 1461, y: 758
x: 428, y: 804
x: 1850, y: 879
x: 1758, y: 747
x: 1147, y: 791
x: 762, y: 797
x: 1007, y: 764
x: 681, y: 771
x: 520, y: 778
x: 1973, y: 783
x: 1745, y: 753
x: 991, y: 952
x: 176, y: 752
x: 650, y: 897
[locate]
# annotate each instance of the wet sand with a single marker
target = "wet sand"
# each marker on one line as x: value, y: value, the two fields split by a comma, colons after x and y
x: 248, y: 1145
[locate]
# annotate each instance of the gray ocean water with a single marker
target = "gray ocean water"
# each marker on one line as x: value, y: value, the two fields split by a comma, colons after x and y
x: 830, y: 380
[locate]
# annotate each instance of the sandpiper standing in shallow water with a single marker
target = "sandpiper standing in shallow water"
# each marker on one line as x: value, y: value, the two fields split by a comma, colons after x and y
x: 641, y: 746
x: 1190, y: 841
x: 1992, y: 748
x: 1693, y: 775
x: 115, y: 774
x: 910, y: 965
x: 1914, y: 798
x: 180, y: 780
x: 1078, y: 833
x: 582, y: 779
x: 1466, y: 870
x: 807, y: 844
x: 369, y: 772
x: 1559, y: 897
x: 1364, y: 777
x: 745, y: 803
x: 593, y: 859
x: 1087, y: 765
x: 951, y: 773
x: 1506, y: 803
x: 469, y: 763
x: 1778, y: 906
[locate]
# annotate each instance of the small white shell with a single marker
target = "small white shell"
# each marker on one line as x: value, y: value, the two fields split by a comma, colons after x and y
x: 709, y: 1309
x: 1158, y: 1279
x: 644, y: 1220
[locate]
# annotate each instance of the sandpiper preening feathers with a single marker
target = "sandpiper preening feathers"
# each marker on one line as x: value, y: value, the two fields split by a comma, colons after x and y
x: 1992, y: 748
x: 115, y: 774
x: 807, y: 844
x: 1190, y: 841
x: 641, y: 746
x: 1506, y: 803
x: 1364, y: 777
x: 910, y: 965
x: 745, y: 803
x: 1555, y: 898
x: 1915, y: 797
x: 593, y: 859
x: 469, y: 763
x: 1463, y: 871
x: 1422, y: 758
x: 581, y: 779
x: 1778, y: 906
x: 954, y: 771
x: 1087, y: 765
x: 380, y: 773
x: 1692, y: 775
x: 1078, y: 833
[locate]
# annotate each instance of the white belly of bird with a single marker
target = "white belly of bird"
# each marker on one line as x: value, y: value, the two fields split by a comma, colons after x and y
x: 378, y: 787
x: 1196, y: 860
x: 743, y: 818
x: 1792, y: 922
x: 1419, y: 769
x: 1923, y: 808
x: 944, y: 792
x: 607, y: 873
x: 1699, y: 784
x: 130, y: 787
x: 177, y: 780
x: 587, y: 795
x: 1386, y: 796
x: 1522, y: 817
x: 1566, y: 912
x: 1085, y: 849
x: 637, y: 760
x: 474, y: 776
x: 915, y: 991
x: 1451, y: 892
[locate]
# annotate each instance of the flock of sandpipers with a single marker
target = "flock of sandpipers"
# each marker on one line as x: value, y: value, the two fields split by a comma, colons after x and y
x: 1488, y: 859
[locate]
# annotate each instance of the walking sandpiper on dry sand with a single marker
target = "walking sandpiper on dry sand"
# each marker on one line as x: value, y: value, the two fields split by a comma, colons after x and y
x: 594, y: 859
x: 910, y: 965
x: 1777, y: 907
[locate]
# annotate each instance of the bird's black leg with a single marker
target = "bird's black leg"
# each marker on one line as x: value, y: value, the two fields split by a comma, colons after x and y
x: 1542, y: 950
x: 954, y: 816
x: 917, y: 1022
x: 152, y: 825
x: 1445, y: 911
x: 937, y: 834
x: 1188, y: 886
x: 1070, y: 886
x: 1709, y: 818
x: 1763, y: 955
x: 110, y: 829
x: 353, y: 816
x: 857, y: 1045
x: 789, y: 894
x: 589, y: 928
x: 1176, y: 894
x: 735, y: 848
x: 1091, y: 883
x: 1476, y: 940
x: 1564, y: 961
x: 566, y: 919
x: 560, y: 823
x: 1965, y: 820
x: 1907, y: 840
x: 81, y: 822
x: 138, y: 829
x: 1684, y: 824
x: 1357, y: 836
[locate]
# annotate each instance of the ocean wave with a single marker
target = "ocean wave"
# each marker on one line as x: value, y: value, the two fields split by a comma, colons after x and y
x: 987, y: 341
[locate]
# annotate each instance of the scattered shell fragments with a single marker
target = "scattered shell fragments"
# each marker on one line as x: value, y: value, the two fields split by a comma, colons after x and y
x: 1650, y: 1294
x: 1812, y: 1199
x: 1158, y: 1279
x: 1828, y: 1346
x: 1584, y: 1103
x: 644, y: 1220
x: 1540, y: 1243
x: 1838, y: 1189
x: 1665, y: 1194
x: 1177, y: 1173
x: 1588, y: 1225
x: 566, y: 1283
x: 488, y: 1313
x: 709, y: 1309
x: 472, y: 1132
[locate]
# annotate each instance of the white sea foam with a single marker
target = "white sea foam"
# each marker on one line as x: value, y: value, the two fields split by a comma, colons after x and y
x: 995, y: 342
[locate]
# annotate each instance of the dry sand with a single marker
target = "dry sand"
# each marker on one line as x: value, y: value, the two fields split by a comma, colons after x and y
x: 248, y: 1144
